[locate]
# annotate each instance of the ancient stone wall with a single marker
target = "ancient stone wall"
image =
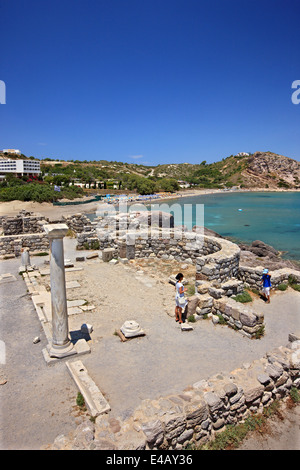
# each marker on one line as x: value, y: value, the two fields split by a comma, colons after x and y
x: 251, y: 277
x: 220, y: 265
x: 239, y: 316
x: 165, y: 244
x: 24, y: 222
x: 13, y: 244
x: 196, y: 415
x: 78, y: 222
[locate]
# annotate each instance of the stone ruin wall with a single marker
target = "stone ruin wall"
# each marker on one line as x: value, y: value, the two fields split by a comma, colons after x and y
x: 251, y: 277
x: 218, y: 273
x: 196, y: 415
x: 24, y: 222
x: 26, y: 231
x: 12, y: 245
x: 204, y: 409
x: 23, y: 231
x: 78, y: 222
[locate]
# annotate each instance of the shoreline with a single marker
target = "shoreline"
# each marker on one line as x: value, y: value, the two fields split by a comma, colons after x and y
x: 55, y: 213
x: 47, y: 209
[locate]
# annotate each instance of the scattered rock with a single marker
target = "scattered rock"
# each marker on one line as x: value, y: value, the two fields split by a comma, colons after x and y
x: 3, y: 380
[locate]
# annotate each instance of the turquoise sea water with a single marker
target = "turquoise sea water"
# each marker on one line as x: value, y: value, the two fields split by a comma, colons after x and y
x: 273, y: 218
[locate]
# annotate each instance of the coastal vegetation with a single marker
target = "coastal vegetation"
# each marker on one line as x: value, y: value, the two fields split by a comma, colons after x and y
x: 39, y: 191
x: 246, y: 170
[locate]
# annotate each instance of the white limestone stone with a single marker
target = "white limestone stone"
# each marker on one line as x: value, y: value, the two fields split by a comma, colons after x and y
x: 131, y: 328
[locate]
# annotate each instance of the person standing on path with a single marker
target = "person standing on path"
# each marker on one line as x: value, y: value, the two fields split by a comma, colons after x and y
x: 266, y: 283
x: 181, y: 301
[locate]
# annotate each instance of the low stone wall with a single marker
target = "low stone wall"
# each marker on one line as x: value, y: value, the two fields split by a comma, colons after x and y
x: 220, y: 265
x: 169, y: 244
x: 89, y: 240
x: 194, y: 416
x: 78, y: 222
x: 178, y: 245
x: 239, y: 316
x: 13, y: 244
x: 24, y: 222
x: 251, y: 277
x: 242, y: 318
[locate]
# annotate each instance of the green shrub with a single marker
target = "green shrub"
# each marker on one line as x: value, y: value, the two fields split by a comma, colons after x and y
x: 243, y: 297
x: 95, y: 245
x: 282, y: 287
x: 42, y: 253
x: 191, y: 319
x: 38, y: 192
x: 260, y: 332
x: 80, y: 400
x: 255, y: 291
x: 190, y: 290
x: 292, y: 280
x: 296, y: 287
x: 295, y: 395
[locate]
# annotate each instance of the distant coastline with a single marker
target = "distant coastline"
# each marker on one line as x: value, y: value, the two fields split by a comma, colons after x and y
x: 238, y: 231
x: 47, y: 209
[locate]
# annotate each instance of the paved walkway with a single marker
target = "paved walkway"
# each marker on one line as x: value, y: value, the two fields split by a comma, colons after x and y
x: 39, y: 399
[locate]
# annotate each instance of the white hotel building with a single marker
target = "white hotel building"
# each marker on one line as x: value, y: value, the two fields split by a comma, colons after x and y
x: 19, y: 167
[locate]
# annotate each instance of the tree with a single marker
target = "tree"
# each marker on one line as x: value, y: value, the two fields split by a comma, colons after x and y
x: 145, y: 186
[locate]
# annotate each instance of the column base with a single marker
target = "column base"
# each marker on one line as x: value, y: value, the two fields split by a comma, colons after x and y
x: 61, y: 351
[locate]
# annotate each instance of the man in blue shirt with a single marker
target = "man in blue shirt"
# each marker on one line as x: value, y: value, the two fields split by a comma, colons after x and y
x: 266, y: 282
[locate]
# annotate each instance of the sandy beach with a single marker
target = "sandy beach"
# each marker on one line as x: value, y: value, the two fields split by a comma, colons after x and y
x: 53, y: 213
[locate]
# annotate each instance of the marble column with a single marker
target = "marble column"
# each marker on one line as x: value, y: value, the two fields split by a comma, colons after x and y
x: 61, y: 345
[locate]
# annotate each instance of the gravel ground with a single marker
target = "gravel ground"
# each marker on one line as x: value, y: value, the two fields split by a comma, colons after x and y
x: 36, y: 400
x: 40, y: 400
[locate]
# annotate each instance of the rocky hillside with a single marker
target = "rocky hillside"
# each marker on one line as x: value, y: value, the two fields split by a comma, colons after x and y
x: 269, y: 169
x: 257, y: 170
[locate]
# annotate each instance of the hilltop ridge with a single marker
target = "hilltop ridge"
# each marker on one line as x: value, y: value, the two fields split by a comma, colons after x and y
x: 257, y: 170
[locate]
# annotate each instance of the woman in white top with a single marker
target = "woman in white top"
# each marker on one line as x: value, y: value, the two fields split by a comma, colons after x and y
x: 180, y: 300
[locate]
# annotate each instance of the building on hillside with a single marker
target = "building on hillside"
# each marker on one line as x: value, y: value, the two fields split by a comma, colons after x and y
x: 183, y: 184
x: 14, y: 151
x: 242, y: 154
x: 19, y: 168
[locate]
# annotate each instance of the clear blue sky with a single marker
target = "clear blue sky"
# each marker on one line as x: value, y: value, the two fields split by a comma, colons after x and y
x: 149, y: 81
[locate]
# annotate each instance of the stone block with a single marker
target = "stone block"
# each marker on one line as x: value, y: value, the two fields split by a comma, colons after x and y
x: 153, y: 431
x: 72, y: 284
x: 92, y: 256
x: 186, y: 327
x: 248, y: 318
x: 76, y: 303
x: 253, y: 394
x: 107, y: 254
x: 93, y: 397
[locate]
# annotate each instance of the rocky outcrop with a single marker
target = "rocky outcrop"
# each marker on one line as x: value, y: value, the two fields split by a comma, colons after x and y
x: 272, y: 169
x: 261, y: 249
